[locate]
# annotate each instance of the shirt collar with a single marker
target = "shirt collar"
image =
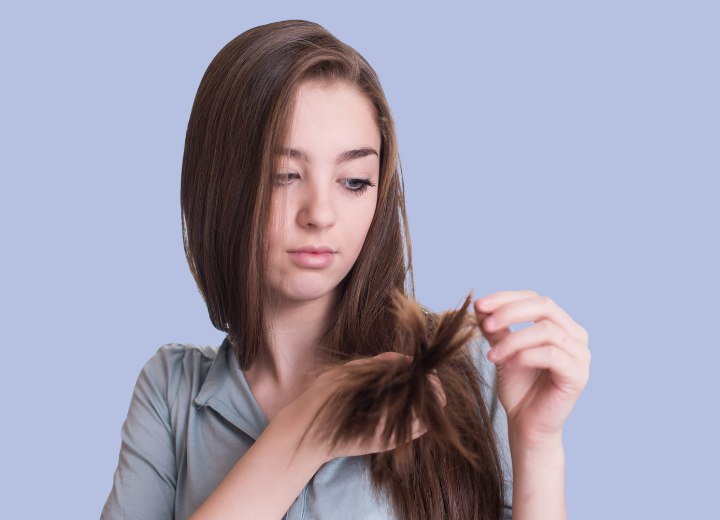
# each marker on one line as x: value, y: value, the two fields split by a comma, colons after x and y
x: 227, y: 391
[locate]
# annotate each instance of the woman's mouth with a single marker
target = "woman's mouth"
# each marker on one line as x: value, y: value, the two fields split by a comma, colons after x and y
x: 312, y: 260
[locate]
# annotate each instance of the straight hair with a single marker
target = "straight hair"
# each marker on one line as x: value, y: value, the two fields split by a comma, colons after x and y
x: 239, y: 119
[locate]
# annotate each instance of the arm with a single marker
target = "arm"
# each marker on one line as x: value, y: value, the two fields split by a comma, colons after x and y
x: 271, y: 474
x: 263, y: 483
x: 146, y: 476
x: 541, y: 370
x: 267, y: 479
x: 538, y: 479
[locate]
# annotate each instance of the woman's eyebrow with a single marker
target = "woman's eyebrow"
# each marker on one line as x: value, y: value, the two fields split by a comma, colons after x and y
x: 348, y: 155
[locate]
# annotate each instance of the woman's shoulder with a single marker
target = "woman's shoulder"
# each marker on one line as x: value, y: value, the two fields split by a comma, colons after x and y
x: 172, y: 357
x: 178, y: 365
x: 183, y: 352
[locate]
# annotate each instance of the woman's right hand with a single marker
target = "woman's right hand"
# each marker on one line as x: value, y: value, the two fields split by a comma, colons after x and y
x: 307, y: 404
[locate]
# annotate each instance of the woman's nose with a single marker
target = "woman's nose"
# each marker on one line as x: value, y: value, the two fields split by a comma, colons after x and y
x: 317, y: 207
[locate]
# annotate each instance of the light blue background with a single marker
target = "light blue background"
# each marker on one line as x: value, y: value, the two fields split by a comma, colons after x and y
x: 571, y: 148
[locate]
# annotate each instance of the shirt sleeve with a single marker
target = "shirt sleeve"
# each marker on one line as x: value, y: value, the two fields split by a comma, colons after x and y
x: 146, y: 476
x: 487, y: 369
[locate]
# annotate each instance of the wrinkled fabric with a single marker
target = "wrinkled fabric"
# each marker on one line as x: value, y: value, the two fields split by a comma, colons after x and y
x: 192, y: 416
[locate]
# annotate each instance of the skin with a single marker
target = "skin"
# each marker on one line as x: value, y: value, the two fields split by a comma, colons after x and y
x: 314, y: 202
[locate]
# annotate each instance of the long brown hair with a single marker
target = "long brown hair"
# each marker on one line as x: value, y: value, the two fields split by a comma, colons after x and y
x: 239, y: 119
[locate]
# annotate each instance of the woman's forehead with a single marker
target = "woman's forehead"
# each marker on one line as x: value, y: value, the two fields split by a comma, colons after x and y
x: 331, y: 123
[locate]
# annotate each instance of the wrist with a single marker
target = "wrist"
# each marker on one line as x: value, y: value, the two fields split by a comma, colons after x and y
x: 538, y: 467
x: 293, y: 424
x: 536, y: 451
x: 535, y: 442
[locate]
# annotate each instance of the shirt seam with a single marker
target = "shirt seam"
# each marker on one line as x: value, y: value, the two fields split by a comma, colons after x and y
x: 218, y: 385
x: 177, y: 391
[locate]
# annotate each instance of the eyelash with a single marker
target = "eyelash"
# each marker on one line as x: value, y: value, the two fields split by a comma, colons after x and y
x: 365, y: 183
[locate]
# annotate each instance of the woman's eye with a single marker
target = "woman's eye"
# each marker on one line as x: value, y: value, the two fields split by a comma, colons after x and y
x: 356, y: 186
x: 283, y: 178
x: 359, y: 186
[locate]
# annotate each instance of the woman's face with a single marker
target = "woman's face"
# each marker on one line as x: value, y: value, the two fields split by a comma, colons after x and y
x: 325, y: 192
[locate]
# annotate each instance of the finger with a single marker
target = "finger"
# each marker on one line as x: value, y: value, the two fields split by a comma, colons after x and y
x: 383, y: 356
x: 564, y: 369
x: 487, y: 305
x: 543, y: 332
x: 393, y: 355
x: 494, y: 336
x: 438, y: 389
x: 419, y: 432
x: 532, y: 308
x: 416, y: 430
x: 492, y: 301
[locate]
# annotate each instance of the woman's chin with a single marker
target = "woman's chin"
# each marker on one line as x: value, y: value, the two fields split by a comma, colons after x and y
x: 304, y: 293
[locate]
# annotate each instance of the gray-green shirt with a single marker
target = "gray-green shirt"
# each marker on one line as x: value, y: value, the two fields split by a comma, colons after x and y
x: 192, y: 416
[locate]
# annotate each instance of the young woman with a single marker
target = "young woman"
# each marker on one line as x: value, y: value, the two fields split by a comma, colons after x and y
x: 293, y: 223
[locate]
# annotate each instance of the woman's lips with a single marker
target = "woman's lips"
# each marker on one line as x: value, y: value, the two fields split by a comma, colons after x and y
x: 316, y: 260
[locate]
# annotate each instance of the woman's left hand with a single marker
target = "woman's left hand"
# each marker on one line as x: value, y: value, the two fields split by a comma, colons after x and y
x: 542, y: 368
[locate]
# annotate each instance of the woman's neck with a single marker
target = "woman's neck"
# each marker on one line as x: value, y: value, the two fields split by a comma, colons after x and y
x: 295, y: 330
